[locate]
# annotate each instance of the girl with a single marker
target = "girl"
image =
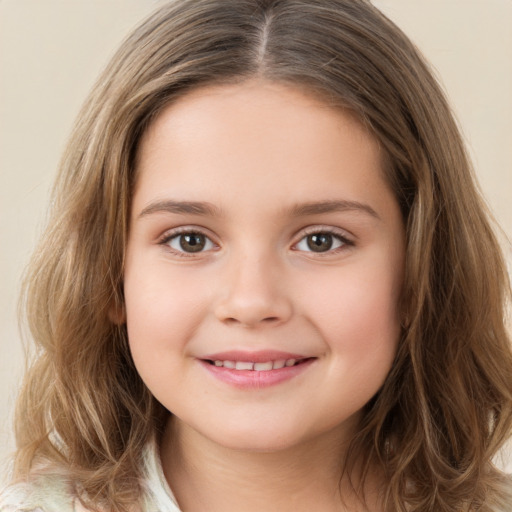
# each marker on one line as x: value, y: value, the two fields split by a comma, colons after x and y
x: 268, y: 283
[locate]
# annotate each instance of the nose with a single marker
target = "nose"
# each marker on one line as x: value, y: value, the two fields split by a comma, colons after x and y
x: 253, y: 294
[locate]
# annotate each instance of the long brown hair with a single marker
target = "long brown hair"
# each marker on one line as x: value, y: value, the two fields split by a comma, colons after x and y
x: 446, y: 406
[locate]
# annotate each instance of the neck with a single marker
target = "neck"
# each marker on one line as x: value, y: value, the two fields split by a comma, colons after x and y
x: 206, y: 476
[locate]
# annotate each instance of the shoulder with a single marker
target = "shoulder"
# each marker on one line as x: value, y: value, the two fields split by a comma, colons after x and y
x: 45, y: 493
x: 52, y: 491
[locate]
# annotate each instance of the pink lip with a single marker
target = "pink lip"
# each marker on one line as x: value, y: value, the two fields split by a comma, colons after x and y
x: 252, y: 379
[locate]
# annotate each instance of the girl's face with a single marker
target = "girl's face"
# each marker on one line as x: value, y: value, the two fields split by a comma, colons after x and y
x: 264, y: 266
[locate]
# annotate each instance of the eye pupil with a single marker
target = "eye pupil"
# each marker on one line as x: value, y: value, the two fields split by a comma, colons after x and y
x: 320, y: 242
x: 192, y: 242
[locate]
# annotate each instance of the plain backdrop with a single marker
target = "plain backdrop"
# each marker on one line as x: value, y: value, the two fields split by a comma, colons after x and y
x: 52, y: 50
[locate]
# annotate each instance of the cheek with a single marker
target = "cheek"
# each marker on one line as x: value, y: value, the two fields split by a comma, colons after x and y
x: 162, y: 310
x: 357, y: 313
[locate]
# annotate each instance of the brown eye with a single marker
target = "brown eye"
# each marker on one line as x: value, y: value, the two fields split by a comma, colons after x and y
x: 320, y: 242
x: 190, y: 242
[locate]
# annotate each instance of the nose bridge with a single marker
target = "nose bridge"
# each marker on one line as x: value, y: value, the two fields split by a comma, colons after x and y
x: 254, y: 290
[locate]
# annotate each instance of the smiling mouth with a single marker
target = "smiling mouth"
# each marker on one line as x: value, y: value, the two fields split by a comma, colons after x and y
x: 257, y: 370
x: 257, y: 366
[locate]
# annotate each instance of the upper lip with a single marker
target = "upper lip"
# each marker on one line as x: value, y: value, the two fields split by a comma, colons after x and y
x: 261, y: 356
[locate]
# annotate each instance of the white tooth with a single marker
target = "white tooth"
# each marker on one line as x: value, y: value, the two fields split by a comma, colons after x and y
x: 279, y: 364
x: 218, y: 363
x: 229, y: 364
x: 243, y: 365
x: 259, y: 367
x: 290, y: 362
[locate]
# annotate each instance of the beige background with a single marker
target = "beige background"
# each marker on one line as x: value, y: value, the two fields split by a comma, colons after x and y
x: 52, y: 50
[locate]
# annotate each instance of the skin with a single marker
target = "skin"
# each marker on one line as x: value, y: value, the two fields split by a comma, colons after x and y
x: 256, y: 152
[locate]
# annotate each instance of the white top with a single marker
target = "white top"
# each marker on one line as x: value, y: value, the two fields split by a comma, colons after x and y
x: 51, y: 493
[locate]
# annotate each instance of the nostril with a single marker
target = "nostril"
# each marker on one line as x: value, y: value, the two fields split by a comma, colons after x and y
x: 251, y: 311
x: 267, y: 320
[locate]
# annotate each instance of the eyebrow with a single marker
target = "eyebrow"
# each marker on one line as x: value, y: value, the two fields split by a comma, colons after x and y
x: 315, y: 208
x: 299, y: 210
x: 182, y: 207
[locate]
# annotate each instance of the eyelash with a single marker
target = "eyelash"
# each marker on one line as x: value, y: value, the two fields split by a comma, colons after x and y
x: 336, y: 234
x: 175, y: 233
x: 341, y: 237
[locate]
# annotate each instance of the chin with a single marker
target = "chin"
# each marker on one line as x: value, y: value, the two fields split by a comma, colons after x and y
x: 261, y: 438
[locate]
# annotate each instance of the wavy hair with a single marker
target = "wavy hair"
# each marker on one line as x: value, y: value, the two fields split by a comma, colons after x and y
x: 446, y: 407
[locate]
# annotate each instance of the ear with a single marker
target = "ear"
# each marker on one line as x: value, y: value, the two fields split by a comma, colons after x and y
x: 117, y: 313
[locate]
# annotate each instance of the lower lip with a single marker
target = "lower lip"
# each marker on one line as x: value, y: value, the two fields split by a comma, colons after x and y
x: 252, y: 379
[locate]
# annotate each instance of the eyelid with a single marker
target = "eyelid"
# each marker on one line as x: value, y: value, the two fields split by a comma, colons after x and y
x: 341, y: 234
x: 346, y: 238
x: 168, y: 235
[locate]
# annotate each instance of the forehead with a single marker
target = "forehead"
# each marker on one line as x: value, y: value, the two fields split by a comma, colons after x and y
x: 259, y: 140
x: 245, y: 96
